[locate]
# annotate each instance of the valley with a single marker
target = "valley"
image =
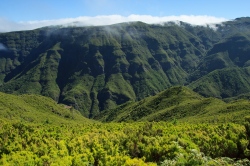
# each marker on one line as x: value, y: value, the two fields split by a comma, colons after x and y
x: 99, y: 68
x: 126, y: 94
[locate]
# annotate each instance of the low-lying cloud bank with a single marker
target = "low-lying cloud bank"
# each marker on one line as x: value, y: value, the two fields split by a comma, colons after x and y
x: 7, y: 26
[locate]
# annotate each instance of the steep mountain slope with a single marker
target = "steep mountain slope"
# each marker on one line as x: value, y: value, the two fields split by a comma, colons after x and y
x: 224, y: 71
x: 98, y: 68
x: 223, y: 83
x: 233, y: 51
x: 178, y: 103
x: 37, y: 109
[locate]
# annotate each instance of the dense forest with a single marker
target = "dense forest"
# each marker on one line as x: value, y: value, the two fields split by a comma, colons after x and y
x: 144, y: 143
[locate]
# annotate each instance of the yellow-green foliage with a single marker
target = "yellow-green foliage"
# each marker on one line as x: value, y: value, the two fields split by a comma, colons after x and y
x: 34, y: 130
x: 136, y: 144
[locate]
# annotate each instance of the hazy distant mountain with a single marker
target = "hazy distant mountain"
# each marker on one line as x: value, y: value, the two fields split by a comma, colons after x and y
x: 98, y: 68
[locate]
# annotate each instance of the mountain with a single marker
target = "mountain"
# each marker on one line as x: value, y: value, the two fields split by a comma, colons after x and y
x: 178, y: 103
x: 98, y: 68
x: 223, y: 83
x: 225, y: 71
x: 36, y: 109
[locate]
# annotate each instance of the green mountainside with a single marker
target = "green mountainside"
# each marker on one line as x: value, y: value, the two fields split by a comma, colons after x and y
x: 225, y: 71
x: 35, y: 109
x: 178, y: 103
x: 98, y: 68
x: 223, y: 83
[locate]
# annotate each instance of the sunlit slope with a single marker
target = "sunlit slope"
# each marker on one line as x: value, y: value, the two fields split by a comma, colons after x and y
x: 179, y: 103
x: 37, y: 109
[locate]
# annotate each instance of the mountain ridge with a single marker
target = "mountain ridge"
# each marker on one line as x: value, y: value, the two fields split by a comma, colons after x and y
x: 98, y: 68
x: 178, y: 104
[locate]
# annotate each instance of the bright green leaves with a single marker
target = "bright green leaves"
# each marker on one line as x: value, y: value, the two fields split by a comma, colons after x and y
x: 122, y: 144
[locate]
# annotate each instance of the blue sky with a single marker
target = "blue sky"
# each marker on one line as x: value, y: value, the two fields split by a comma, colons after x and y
x: 16, y: 14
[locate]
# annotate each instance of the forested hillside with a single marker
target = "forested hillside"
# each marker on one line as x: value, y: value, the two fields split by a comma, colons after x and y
x: 179, y: 104
x: 98, y: 68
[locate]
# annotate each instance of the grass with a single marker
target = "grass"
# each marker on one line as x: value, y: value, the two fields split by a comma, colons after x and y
x: 37, y: 109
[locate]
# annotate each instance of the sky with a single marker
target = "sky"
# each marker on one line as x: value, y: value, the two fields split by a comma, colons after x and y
x: 30, y: 14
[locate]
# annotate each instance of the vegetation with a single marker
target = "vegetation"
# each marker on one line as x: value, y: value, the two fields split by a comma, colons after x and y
x: 137, y: 67
x: 147, y: 143
x: 98, y: 68
x: 35, y: 130
x: 179, y: 103
x: 223, y: 83
x: 37, y: 109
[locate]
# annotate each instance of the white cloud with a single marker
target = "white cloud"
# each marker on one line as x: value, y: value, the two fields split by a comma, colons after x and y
x: 7, y: 26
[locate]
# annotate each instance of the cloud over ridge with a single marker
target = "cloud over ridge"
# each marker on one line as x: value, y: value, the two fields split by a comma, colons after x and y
x: 7, y: 26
